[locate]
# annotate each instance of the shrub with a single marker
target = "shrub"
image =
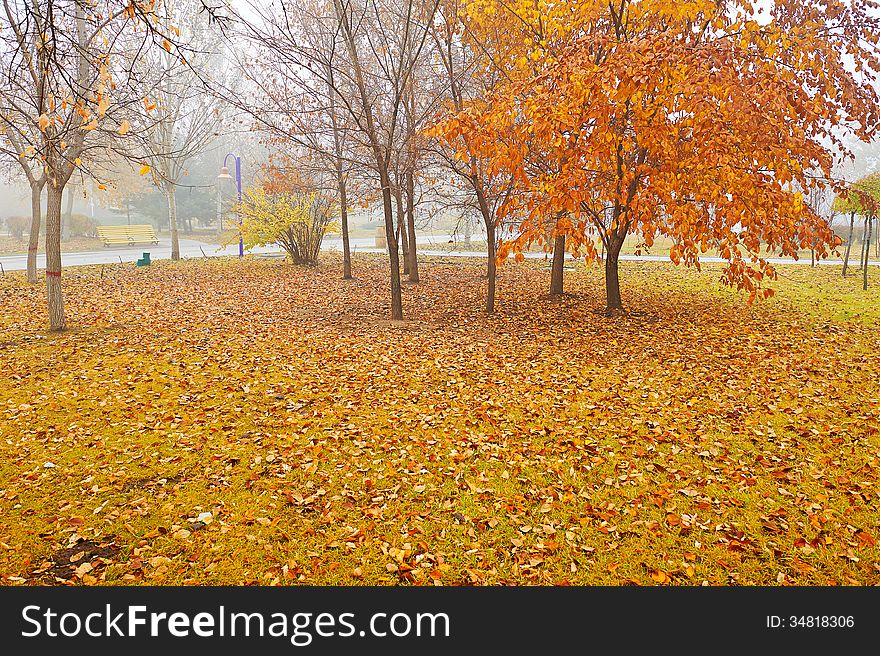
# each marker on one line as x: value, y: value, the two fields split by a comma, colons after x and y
x: 297, y: 222
x: 80, y: 225
x: 17, y: 226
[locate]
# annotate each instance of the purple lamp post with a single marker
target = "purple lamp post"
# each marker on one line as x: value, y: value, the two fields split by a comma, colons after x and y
x: 224, y: 175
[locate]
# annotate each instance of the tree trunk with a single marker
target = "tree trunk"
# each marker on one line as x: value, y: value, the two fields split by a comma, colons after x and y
x: 868, y: 223
x: 393, y: 255
x: 53, y: 258
x: 68, y: 212
x: 411, y: 227
x: 862, y: 253
x: 346, y: 249
x: 491, y: 267
x: 612, y: 279
x: 340, y: 177
x: 876, y: 243
x: 34, y: 237
x: 380, y: 153
x: 556, y: 285
x: 172, y: 222
x: 852, y: 219
x: 401, y: 229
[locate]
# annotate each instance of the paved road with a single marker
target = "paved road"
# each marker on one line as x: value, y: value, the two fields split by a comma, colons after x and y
x: 190, y: 248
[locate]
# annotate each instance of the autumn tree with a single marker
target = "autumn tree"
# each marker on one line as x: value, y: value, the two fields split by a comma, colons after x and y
x: 297, y: 94
x: 180, y: 117
x: 475, y: 187
x: 863, y: 198
x: 702, y: 122
x: 18, y: 136
x: 415, y: 173
x: 74, y: 92
x: 364, y: 61
x: 339, y: 130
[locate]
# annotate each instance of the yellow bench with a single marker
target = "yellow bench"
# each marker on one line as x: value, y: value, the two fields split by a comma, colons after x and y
x: 127, y: 235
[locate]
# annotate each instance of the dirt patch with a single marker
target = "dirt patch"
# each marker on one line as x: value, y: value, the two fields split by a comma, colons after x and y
x: 84, y: 557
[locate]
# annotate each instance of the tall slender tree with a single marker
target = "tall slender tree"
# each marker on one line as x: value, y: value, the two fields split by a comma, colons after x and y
x: 181, y: 118
x: 474, y: 186
x: 24, y: 154
x: 371, y: 49
x: 862, y: 197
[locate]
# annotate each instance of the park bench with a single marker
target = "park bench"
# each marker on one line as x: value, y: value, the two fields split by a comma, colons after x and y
x: 127, y: 235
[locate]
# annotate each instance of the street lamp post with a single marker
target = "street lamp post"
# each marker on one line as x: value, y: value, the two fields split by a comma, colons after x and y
x: 224, y: 175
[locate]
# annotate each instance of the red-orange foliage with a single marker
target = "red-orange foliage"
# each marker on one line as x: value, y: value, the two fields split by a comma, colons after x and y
x: 700, y: 121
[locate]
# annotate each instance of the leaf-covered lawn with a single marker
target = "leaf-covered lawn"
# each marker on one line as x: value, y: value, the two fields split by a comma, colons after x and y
x: 250, y: 422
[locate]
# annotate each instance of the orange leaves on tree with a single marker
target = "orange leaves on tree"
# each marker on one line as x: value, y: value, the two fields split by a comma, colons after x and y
x: 103, y: 104
x: 633, y: 121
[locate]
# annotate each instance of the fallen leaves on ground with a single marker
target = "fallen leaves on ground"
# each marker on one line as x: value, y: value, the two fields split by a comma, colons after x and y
x: 226, y: 422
